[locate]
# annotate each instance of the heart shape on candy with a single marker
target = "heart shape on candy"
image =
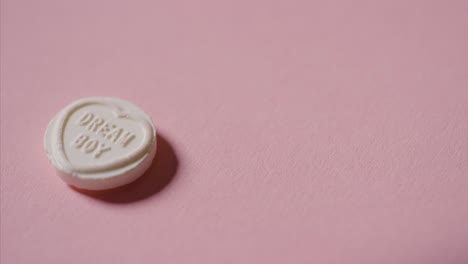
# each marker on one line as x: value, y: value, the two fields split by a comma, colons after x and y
x: 132, y: 145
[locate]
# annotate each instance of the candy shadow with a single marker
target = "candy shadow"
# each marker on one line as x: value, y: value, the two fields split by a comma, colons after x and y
x: 159, y: 175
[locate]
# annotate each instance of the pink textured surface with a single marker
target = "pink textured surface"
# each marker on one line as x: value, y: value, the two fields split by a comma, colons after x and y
x: 292, y: 131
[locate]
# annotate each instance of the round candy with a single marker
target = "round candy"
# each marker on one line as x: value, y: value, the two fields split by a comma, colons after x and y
x: 100, y: 143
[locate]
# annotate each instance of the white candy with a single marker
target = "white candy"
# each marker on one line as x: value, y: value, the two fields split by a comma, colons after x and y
x: 100, y: 143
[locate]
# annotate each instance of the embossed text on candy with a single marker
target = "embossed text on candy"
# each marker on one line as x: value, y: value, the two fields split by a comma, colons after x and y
x: 99, y: 126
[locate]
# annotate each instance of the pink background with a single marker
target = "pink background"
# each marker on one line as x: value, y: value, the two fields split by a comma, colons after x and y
x: 291, y: 131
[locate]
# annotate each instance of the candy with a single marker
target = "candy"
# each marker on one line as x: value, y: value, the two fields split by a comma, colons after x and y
x: 100, y: 143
